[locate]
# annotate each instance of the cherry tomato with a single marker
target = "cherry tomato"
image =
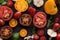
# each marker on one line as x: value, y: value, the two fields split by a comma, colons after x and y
x: 43, y: 38
x: 32, y: 11
x: 57, y: 18
x: 56, y: 26
x: 58, y: 36
x: 9, y: 3
x: 17, y: 15
x: 36, y: 36
x: 40, y: 32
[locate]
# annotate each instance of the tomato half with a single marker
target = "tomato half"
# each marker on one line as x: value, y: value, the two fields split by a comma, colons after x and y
x: 7, y: 13
x: 6, y: 32
x: 25, y: 20
x: 40, y: 20
x: 1, y: 12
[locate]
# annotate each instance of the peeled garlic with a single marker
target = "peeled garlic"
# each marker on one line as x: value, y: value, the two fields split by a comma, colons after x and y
x: 51, y: 33
x: 38, y: 3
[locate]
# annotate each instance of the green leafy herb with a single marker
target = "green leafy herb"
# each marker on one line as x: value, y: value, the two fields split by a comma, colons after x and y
x: 33, y: 29
x: 15, y: 36
x: 49, y: 22
x: 4, y: 3
x: 1, y: 1
x: 29, y: 1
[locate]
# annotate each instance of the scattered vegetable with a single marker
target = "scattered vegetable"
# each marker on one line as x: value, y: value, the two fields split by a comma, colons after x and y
x: 43, y: 38
x: 15, y: 36
x: 36, y: 37
x: 40, y: 20
x: 29, y: 1
x: 58, y: 36
x: 40, y: 32
x: 57, y: 19
x: 50, y: 22
x: 51, y: 33
x: 13, y: 23
x: 21, y: 5
x: 1, y: 22
x: 2, y: 2
x: 9, y: 3
x: 17, y: 15
x: 23, y: 32
x: 50, y: 7
x: 6, y: 32
x: 7, y: 13
x: 25, y: 20
x: 38, y: 3
x: 32, y: 11
x: 56, y: 26
x: 29, y: 38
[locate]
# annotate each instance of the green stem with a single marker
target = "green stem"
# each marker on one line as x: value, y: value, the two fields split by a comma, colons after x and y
x: 49, y: 22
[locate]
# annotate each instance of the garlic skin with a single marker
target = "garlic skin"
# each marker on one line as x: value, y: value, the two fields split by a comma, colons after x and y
x: 51, y: 33
x: 38, y: 3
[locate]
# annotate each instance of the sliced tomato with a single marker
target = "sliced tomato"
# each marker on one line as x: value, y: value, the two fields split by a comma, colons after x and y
x: 7, y: 13
x: 6, y: 32
x: 25, y: 20
x: 1, y: 12
x: 40, y: 20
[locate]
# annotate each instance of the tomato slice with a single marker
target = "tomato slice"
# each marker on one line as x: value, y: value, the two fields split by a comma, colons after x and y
x: 1, y: 12
x: 6, y: 32
x: 40, y: 20
x: 7, y: 13
x: 25, y: 20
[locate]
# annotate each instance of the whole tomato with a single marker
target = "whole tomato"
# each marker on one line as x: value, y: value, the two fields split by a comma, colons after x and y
x: 32, y: 11
x: 56, y: 26
x: 40, y: 32
x: 36, y: 37
x: 57, y: 18
x: 9, y: 3
x: 17, y: 15
x: 42, y: 38
x: 58, y: 36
